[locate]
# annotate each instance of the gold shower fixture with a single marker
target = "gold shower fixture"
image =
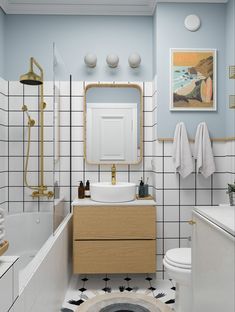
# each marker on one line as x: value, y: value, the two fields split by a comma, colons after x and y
x: 33, y: 79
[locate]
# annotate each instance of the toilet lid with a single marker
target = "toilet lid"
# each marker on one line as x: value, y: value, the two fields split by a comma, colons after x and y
x: 180, y: 257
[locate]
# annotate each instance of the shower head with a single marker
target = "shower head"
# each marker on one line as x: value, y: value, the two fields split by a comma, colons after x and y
x: 31, y: 78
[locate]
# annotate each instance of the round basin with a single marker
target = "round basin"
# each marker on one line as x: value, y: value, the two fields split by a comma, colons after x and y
x: 108, y: 193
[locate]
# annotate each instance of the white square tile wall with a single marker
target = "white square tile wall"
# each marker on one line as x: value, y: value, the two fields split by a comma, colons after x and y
x: 175, y: 196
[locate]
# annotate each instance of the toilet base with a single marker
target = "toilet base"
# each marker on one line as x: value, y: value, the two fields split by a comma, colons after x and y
x: 183, y: 298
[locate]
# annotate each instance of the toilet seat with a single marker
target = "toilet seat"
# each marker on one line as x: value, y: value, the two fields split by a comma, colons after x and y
x: 179, y: 257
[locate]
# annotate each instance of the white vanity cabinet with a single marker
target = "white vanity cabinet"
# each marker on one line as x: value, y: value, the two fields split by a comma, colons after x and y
x: 213, y: 259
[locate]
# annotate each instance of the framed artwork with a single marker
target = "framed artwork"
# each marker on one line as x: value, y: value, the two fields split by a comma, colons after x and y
x: 232, y: 72
x: 192, y: 80
x: 232, y: 101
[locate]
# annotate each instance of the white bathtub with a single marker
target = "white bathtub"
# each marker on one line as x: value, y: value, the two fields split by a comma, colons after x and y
x: 44, y: 265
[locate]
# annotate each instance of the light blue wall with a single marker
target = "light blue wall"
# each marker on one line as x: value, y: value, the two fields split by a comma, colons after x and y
x: 2, y: 41
x: 171, y: 33
x: 154, y: 43
x: 33, y: 35
x: 230, y: 60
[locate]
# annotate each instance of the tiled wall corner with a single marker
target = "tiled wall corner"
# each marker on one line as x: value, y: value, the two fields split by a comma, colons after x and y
x: 3, y: 144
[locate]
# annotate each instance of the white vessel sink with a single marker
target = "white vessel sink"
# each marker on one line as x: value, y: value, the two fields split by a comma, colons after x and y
x: 108, y: 193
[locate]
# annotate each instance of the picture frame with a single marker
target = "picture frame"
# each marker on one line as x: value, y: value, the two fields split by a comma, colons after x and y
x: 193, y: 75
x: 232, y: 72
x: 232, y: 101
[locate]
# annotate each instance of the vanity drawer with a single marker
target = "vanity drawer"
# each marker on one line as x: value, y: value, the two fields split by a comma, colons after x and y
x: 127, y: 256
x: 114, y: 222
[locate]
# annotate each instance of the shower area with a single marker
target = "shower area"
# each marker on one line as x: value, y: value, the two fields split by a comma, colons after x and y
x: 35, y: 190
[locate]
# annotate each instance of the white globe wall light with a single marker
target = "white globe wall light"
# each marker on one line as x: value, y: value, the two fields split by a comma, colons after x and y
x: 134, y: 60
x: 90, y: 60
x: 112, y: 60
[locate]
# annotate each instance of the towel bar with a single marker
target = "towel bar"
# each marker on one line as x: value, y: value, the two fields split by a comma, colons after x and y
x: 192, y: 141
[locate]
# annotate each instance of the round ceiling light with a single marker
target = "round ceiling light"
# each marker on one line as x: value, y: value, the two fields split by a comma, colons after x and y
x: 192, y: 22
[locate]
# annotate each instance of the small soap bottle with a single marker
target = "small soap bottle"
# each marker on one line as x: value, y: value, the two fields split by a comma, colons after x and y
x: 141, y: 188
x: 146, y: 188
x: 81, y: 190
x: 87, y: 189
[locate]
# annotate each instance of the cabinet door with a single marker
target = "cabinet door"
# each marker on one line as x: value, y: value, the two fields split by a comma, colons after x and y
x: 136, y: 256
x: 114, y: 222
x: 213, y: 267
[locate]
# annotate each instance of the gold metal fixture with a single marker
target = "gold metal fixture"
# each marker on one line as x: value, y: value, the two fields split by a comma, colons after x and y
x: 232, y: 72
x: 3, y: 247
x: 232, y: 101
x: 191, y: 222
x: 33, y: 79
x: 113, y: 170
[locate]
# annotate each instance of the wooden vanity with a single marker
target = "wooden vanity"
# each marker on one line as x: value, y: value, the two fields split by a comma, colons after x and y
x: 114, y: 238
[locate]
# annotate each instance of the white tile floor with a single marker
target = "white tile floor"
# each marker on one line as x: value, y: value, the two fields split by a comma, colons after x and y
x: 84, y: 287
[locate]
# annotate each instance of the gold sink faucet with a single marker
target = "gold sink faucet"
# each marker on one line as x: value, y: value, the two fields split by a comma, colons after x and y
x: 113, y: 170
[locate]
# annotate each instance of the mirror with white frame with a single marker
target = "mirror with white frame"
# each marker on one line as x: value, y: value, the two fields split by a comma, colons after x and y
x: 113, y: 123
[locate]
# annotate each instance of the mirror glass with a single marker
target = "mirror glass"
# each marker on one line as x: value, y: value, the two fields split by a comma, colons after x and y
x: 113, y: 119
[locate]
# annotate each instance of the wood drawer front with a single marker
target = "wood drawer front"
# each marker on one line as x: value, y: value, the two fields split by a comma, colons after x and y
x: 137, y: 256
x: 114, y: 222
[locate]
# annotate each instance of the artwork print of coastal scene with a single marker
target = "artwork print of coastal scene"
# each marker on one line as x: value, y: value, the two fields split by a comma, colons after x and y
x: 193, y: 77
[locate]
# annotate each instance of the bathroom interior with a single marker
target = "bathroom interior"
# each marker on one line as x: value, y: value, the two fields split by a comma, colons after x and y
x: 117, y: 156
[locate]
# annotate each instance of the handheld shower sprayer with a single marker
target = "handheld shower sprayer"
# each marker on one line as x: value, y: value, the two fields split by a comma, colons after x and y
x: 31, y: 122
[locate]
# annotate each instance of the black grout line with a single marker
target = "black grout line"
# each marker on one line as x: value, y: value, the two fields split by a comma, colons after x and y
x: 23, y: 158
x: 179, y: 206
x: 195, y: 182
x: 8, y: 149
x: 71, y: 138
x: 163, y: 206
x: 212, y: 200
x: 39, y: 137
x: 143, y: 115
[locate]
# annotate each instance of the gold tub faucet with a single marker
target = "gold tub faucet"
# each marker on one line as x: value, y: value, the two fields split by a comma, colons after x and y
x: 113, y: 171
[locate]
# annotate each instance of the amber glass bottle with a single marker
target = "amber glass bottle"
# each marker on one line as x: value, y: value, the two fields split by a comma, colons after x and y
x: 87, y: 189
x: 81, y: 190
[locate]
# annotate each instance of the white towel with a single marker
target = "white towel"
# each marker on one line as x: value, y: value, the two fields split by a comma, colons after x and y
x: 182, y: 157
x: 203, y: 151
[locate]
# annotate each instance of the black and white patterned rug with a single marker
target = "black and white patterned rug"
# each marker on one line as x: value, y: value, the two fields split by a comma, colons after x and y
x: 85, y: 287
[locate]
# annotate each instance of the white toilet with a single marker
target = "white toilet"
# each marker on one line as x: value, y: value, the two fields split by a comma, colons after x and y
x: 177, y: 263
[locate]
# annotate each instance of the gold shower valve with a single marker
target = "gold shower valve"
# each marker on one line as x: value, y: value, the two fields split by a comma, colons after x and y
x: 191, y: 222
x: 50, y: 194
x: 44, y: 105
x: 42, y: 193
